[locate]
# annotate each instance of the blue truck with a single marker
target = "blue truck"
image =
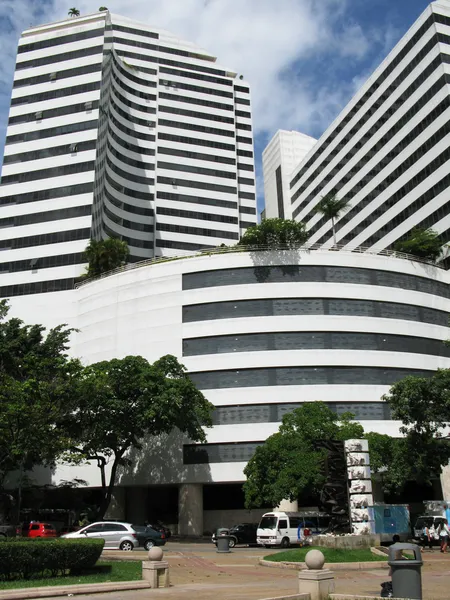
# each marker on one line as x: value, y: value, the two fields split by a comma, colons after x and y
x: 392, y: 519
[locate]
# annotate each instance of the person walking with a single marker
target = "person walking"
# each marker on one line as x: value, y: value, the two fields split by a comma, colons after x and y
x: 444, y: 534
x: 427, y: 538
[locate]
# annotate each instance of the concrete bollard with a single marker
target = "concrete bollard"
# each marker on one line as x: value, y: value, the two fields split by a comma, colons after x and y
x: 315, y: 580
x: 155, y: 570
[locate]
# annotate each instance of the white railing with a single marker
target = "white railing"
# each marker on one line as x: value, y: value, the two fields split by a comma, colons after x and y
x: 236, y: 249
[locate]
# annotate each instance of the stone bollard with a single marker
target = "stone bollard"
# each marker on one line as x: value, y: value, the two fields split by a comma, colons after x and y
x: 315, y: 580
x: 155, y: 570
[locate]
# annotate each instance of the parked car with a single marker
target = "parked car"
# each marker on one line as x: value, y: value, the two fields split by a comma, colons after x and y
x: 7, y: 531
x: 157, y: 526
x: 117, y: 535
x: 148, y: 536
x: 35, y: 529
x: 430, y: 521
x: 244, y: 533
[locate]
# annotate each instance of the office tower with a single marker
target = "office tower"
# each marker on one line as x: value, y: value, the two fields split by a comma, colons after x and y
x: 280, y: 157
x: 388, y: 150
x: 117, y: 129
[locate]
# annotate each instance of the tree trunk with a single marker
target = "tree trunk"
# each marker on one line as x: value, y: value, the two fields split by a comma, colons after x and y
x: 334, y: 231
x: 108, y: 490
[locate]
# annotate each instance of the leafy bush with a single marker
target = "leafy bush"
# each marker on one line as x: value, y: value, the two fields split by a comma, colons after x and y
x: 24, y: 558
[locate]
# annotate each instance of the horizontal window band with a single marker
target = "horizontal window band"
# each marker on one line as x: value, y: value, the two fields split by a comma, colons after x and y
x: 45, y: 238
x: 138, y: 135
x: 313, y: 340
x: 310, y: 273
x: 181, y: 245
x: 134, y: 78
x: 126, y: 88
x: 247, y: 196
x: 197, y: 155
x: 53, y: 112
x: 195, y: 114
x: 45, y: 216
x: 245, y: 167
x: 249, y: 210
x: 245, y: 181
x: 244, y: 126
x: 347, y: 307
x: 187, y: 214
x: 52, y: 132
x: 36, y: 79
x: 230, y: 235
x: 49, y: 173
x: 54, y: 58
x: 134, y: 31
x: 128, y: 176
x: 196, y: 184
x: 131, y: 193
x: 60, y: 93
x: 243, y: 140
x: 195, y: 141
x: 129, y: 146
x: 49, y: 152
x: 148, y: 245
x: 45, y: 262
x: 197, y: 101
x: 208, y: 78
x: 128, y: 117
x: 196, y: 200
x: 129, y: 208
x: 64, y: 39
x: 38, y: 195
x: 318, y: 375
x: 137, y: 164
x: 242, y: 113
x: 144, y: 108
x: 242, y: 101
x: 246, y: 224
x: 240, y: 88
x: 194, y: 127
x: 274, y: 413
x: 198, y: 170
x: 127, y: 224
x: 247, y: 153
x: 39, y: 287
x: 195, y: 88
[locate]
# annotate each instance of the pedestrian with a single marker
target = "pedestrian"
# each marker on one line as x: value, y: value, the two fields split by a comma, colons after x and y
x: 300, y: 537
x: 444, y: 533
x: 426, y: 538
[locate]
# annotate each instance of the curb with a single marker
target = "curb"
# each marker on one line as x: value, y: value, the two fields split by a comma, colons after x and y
x: 298, y: 566
x: 73, y: 589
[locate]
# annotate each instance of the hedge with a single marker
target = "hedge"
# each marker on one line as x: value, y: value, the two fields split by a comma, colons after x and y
x: 27, y: 557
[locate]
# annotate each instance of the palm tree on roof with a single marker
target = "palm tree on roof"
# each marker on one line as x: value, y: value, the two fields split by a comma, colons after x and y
x: 331, y: 207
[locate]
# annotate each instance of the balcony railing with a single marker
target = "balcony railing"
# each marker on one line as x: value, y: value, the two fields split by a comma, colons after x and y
x: 279, y: 248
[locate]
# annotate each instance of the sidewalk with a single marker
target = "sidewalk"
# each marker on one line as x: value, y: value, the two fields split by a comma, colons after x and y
x: 209, y: 575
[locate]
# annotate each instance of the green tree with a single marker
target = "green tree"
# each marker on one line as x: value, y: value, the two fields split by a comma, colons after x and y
x: 73, y: 12
x: 37, y: 391
x: 123, y: 402
x: 422, y: 404
x: 275, y: 234
x: 424, y: 243
x: 103, y: 8
x: 105, y: 255
x: 331, y: 207
x: 291, y: 462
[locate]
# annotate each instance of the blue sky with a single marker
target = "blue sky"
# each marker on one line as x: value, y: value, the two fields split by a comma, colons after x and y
x: 303, y: 58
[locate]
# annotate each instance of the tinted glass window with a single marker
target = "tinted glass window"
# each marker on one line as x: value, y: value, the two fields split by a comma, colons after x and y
x: 282, y: 524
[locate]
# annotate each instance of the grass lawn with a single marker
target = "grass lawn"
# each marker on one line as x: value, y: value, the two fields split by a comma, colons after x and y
x: 102, y: 572
x: 331, y: 555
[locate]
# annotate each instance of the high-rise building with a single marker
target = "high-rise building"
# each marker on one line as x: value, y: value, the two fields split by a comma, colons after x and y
x: 280, y: 157
x: 117, y: 129
x: 388, y: 151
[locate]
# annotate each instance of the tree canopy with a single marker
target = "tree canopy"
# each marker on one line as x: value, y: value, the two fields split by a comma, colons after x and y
x: 291, y: 463
x: 105, y: 255
x: 424, y: 243
x: 37, y: 383
x: 275, y: 234
x: 331, y: 207
x: 73, y: 12
x: 122, y: 402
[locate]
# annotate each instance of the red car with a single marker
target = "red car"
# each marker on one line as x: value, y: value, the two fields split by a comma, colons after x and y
x: 38, y: 530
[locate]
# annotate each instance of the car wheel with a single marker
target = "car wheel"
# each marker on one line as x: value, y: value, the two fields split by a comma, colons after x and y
x: 126, y: 546
x: 232, y: 542
x: 149, y: 544
x: 285, y: 543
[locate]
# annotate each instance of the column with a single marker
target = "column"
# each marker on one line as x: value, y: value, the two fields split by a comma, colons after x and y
x: 287, y: 505
x: 190, y: 509
x: 116, y: 508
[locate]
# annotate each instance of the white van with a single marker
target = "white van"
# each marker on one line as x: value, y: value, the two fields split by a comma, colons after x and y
x: 281, y: 528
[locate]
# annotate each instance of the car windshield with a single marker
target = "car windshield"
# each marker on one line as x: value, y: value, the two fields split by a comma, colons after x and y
x: 422, y: 521
x: 268, y: 523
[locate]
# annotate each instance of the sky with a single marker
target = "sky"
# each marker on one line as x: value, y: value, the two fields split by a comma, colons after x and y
x: 304, y: 59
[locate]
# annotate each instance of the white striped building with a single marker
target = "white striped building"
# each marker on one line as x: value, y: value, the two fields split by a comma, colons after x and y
x: 117, y: 129
x: 388, y: 150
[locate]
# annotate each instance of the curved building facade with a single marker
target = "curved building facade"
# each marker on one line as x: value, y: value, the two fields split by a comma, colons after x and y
x: 259, y: 333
